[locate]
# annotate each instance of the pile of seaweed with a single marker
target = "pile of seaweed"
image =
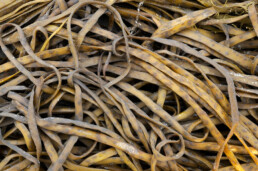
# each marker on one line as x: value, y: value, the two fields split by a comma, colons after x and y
x: 94, y: 85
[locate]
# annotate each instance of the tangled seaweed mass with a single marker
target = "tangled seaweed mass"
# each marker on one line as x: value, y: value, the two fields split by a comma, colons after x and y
x: 97, y: 85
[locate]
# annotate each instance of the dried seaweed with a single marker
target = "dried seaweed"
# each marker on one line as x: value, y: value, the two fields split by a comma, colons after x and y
x: 128, y: 85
